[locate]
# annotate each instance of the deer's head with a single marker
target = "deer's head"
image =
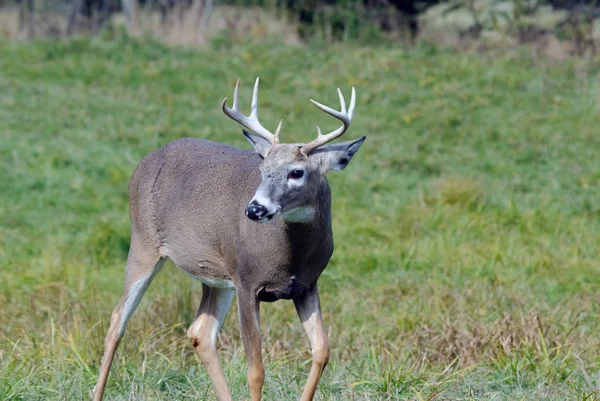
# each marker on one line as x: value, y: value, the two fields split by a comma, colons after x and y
x: 292, y: 172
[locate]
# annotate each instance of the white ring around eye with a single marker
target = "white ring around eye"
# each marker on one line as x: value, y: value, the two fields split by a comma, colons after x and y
x: 296, y: 182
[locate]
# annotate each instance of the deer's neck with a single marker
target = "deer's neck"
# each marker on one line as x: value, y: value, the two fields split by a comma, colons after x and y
x: 319, y: 209
x: 304, y: 214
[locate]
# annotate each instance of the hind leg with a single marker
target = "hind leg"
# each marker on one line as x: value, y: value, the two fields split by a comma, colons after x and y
x: 141, y: 269
x: 203, y: 334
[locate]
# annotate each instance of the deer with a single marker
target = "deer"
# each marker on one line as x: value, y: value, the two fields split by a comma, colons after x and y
x: 252, y: 222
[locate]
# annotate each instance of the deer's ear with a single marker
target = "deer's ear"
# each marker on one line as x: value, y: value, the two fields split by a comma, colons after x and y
x: 336, y: 157
x: 260, y: 144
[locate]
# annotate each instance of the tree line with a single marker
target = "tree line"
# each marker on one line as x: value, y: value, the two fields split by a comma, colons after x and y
x: 343, y: 18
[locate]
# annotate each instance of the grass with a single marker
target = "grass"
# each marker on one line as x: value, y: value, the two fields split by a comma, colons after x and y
x: 467, y: 262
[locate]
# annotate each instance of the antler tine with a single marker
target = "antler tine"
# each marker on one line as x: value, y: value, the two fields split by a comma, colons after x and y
x: 251, y: 122
x: 254, y: 106
x: 344, y: 115
x: 352, y: 104
x: 342, y: 101
x: 277, y: 131
x: 236, y: 93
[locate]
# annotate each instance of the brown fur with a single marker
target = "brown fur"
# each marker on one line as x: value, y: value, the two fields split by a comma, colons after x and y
x: 191, y: 187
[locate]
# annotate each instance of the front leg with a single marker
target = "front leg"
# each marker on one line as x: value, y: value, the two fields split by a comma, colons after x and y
x: 308, y: 307
x: 249, y: 313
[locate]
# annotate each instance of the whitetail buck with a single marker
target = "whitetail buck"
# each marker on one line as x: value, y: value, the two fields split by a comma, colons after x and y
x: 198, y: 203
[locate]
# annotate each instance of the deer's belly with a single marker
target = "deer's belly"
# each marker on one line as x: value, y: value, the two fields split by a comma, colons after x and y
x: 207, y: 268
x: 209, y: 281
x: 212, y: 282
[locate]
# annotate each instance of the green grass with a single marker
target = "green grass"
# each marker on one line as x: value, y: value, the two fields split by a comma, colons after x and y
x: 467, y: 261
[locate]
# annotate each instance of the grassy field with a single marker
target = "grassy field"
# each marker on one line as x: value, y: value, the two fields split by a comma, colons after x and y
x: 467, y: 262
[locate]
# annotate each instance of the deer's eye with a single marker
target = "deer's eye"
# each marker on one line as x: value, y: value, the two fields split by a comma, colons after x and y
x: 296, y: 174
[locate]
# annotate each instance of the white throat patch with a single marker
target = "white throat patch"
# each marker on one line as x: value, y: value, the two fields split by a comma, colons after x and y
x: 299, y: 215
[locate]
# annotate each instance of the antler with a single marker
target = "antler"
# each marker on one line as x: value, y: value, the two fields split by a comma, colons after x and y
x: 343, y: 115
x: 251, y: 122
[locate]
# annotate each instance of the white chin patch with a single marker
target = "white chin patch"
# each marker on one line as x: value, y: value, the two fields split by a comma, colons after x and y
x: 299, y: 215
x: 267, y: 218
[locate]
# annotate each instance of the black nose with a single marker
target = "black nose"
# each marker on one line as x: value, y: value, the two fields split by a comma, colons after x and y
x: 255, y: 211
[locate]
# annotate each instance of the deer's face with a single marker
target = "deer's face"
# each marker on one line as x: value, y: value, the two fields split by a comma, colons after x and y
x: 292, y: 173
x: 291, y: 180
x: 288, y: 183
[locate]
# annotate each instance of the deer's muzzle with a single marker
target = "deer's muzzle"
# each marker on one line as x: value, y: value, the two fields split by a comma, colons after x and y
x: 256, y: 211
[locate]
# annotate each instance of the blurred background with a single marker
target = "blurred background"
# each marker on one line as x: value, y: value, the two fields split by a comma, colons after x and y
x: 555, y: 26
x: 467, y: 228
